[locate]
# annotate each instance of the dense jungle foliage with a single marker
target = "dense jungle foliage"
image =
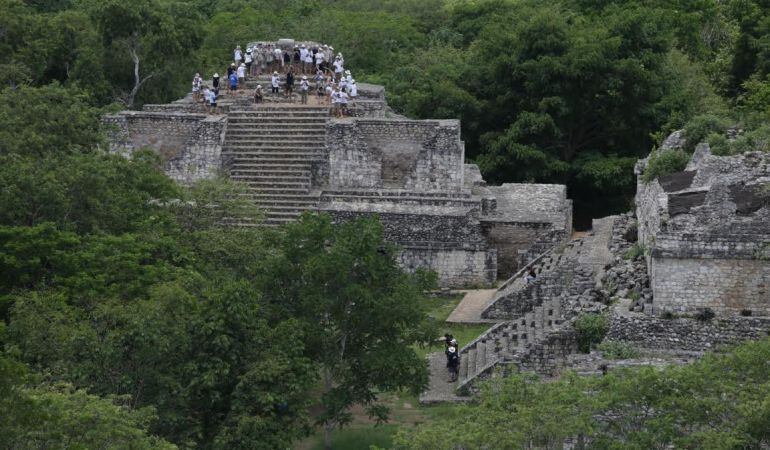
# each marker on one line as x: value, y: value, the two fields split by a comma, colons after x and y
x: 131, y: 319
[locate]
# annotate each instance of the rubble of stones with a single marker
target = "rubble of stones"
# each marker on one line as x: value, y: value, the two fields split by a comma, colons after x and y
x: 626, y: 277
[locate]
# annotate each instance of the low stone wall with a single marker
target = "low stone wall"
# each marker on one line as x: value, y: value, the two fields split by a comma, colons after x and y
x: 685, y: 333
x: 455, y: 267
x: 190, y: 145
x: 726, y: 286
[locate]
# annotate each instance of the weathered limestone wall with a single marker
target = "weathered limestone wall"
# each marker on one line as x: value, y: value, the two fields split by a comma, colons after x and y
x: 727, y: 286
x: 189, y: 144
x: 425, y: 155
x: 685, y: 334
x: 449, y: 243
x: 511, y: 239
x: 706, y: 231
x: 455, y: 266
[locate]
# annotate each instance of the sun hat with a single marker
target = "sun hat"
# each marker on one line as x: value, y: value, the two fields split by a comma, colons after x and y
x: 216, y: 75
x: 451, y: 350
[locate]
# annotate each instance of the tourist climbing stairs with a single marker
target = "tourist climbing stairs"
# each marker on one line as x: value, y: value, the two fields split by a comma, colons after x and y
x: 272, y: 149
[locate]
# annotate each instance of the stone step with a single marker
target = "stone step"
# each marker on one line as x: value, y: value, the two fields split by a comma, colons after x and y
x: 287, y: 121
x: 463, y: 372
x: 262, y: 173
x: 293, y: 178
x: 288, y: 183
x: 279, y: 190
x: 481, y: 356
x: 278, y: 157
x: 471, y: 364
x: 311, y: 130
x: 285, y: 139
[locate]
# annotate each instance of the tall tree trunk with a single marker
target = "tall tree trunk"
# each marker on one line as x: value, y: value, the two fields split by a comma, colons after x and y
x: 138, y: 82
x: 329, y: 425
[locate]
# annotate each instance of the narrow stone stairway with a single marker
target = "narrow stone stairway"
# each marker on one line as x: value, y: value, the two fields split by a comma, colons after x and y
x: 271, y: 149
x: 534, y: 318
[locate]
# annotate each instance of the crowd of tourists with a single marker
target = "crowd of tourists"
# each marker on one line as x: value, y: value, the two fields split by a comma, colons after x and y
x: 315, y: 70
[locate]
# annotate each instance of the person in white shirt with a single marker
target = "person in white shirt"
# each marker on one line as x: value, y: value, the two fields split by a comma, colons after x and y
x: 277, y: 58
x: 302, y: 58
x: 206, y: 95
x: 249, y: 59
x: 342, y: 100
x: 353, y: 92
x: 241, y: 76
x: 338, y: 69
x: 348, y: 77
x: 196, y: 87
x: 335, y: 99
x: 343, y: 84
x: 309, y: 62
x: 238, y: 55
x: 275, y: 83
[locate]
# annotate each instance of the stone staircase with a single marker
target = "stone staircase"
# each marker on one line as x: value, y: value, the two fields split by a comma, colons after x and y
x: 534, y: 332
x: 505, y: 340
x: 271, y: 149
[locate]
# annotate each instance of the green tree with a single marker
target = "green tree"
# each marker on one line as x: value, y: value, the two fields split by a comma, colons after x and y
x: 59, y: 416
x: 360, y: 312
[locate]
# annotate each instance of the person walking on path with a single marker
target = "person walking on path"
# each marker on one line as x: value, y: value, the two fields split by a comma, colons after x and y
x: 213, y: 108
x: 452, y: 363
x: 304, y: 86
x: 215, y: 83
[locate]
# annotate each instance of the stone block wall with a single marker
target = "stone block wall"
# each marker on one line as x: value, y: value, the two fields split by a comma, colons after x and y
x: 685, y: 334
x: 451, y: 245
x: 190, y: 145
x: 727, y: 286
x: 511, y: 239
x: 455, y: 266
x: 425, y: 155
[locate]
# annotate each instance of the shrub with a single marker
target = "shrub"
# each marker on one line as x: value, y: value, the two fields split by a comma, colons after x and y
x: 591, y: 329
x: 701, y: 126
x: 634, y: 252
x: 618, y: 350
x: 664, y: 163
x: 705, y: 315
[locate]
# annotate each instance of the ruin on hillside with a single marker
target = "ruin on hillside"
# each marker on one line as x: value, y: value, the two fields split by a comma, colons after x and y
x: 411, y: 173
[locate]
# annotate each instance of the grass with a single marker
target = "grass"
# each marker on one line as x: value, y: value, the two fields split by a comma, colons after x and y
x: 439, y: 308
x: 357, y: 438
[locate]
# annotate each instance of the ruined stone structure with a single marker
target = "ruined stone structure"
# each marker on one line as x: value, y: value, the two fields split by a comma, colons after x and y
x: 411, y: 173
x: 706, y: 234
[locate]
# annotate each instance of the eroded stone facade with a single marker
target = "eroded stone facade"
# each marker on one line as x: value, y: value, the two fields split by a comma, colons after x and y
x: 706, y: 234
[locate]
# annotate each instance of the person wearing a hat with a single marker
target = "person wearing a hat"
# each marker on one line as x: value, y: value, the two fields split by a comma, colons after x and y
x: 274, y: 83
x: 215, y: 82
x: 304, y: 86
x: 258, y: 97
x: 230, y: 69
x: 338, y: 69
x: 238, y: 55
x: 249, y: 59
x: 303, y: 58
x: 242, y: 75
